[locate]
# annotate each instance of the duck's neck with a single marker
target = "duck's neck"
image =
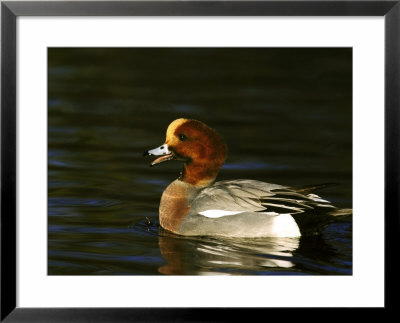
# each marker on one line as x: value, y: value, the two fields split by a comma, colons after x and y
x: 198, y: 174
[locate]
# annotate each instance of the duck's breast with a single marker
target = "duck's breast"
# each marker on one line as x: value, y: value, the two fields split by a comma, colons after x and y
x: 175, y: 204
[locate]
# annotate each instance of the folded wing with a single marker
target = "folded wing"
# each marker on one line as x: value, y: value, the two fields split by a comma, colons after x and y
x: 256, y: 196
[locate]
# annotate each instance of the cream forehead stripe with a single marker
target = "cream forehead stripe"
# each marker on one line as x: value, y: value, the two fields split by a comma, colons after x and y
x: 172, y: 127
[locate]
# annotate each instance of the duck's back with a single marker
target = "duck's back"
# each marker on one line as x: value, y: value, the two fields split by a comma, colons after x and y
x: 250, y: 208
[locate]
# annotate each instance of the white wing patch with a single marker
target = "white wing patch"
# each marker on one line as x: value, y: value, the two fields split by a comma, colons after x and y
x: 218, y: 213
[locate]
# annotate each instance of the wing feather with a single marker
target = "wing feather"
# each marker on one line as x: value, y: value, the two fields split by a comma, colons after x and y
x: 254, y: 196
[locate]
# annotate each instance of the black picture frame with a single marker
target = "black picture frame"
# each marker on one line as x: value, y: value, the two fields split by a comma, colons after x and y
x: 10, y: 10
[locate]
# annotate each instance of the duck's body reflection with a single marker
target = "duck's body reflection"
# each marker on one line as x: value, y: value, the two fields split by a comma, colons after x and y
x: 212, y: 256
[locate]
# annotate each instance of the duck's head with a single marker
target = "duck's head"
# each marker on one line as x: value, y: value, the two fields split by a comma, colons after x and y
x: 200, y: 147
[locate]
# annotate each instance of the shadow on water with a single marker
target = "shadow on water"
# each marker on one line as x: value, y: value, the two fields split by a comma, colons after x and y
x: 285, y: 113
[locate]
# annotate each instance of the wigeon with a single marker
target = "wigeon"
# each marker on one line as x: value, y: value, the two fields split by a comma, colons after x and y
x: 196, y: 205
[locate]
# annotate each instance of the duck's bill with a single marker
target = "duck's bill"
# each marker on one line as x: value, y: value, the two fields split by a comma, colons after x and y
x: 162, y: 159
x: 160, y: 151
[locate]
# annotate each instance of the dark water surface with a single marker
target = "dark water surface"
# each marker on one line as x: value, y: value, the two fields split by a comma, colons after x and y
x: 286, y: 115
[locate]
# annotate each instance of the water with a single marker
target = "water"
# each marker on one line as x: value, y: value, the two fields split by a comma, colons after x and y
x: 286, y: 115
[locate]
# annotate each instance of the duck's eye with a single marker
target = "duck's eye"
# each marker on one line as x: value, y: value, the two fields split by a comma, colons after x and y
x: 182, y: 137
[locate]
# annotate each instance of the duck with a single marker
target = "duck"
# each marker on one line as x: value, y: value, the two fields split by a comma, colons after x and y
x: 195, y: 204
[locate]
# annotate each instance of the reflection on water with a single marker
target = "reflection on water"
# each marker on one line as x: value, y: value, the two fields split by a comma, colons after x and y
x: 285, y: 114
x: 204, y: 256
x: 145, y: 249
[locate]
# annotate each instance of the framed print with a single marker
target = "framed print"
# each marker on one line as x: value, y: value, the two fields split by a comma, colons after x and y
x: 303, y: 95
